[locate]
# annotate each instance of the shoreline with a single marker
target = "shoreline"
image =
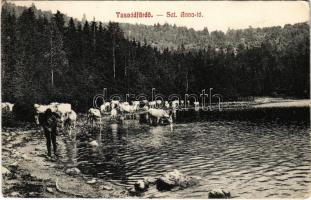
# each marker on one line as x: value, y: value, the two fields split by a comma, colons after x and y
x: 285, y: 103
x: 31, y: 174
x: 265, y: 103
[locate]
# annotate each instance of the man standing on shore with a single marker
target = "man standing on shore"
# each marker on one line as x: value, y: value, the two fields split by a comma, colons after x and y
x: 49, y: 121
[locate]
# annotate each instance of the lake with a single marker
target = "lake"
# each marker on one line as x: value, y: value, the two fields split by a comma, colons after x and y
x: 250, y: 158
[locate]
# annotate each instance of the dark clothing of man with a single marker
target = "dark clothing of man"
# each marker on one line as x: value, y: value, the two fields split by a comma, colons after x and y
x: 48, y: 121
x: 50, y: 137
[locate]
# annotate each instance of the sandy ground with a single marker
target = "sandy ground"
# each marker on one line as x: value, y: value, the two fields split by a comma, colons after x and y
x: 32, y: 174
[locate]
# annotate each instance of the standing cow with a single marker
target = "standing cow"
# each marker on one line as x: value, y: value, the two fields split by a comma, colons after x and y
x: 158, y: 114
x: 131, y: 109
x: 7, y: 107
x: 105, y: 107
x: 93, y: 116
x: 196, y: 106
x: 113, y: 113
x: 70, y: 120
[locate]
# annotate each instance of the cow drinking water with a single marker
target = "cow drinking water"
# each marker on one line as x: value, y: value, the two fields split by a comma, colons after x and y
x: 93, y: 116
x: 106, y: 107
x: 158, y: 114
x: 70, y: 119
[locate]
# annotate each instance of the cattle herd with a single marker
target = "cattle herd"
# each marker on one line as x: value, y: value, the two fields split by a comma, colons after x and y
x: 154, y: 112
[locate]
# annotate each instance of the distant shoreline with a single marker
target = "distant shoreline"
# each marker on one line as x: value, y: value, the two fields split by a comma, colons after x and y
x: 263, y: 102
x: 286, y: 103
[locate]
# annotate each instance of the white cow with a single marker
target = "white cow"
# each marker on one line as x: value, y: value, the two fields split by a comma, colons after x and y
x: 113, y: 113
x: 105, y: 107
x: 145, y: 108
x: 7, y: 107
x: 3, y: 105
x: 152, y: 104
x: 114, y: 104
x: 125, y: 107
x: 182, y: 103
x: 53, y: 106
x: 40, y: 108
x: 62, y: 109
x: 136, y: 105
x: 67, y: 116
x: 158, y: 102
x: 196, y: 105
x: 70, y: 121
x: 167, y: 105
x: 93, y: 116
x: 158, y: 114
x: 175, y: 104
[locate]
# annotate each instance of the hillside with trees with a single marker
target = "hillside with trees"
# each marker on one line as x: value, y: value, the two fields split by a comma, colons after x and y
x: 56, y: 58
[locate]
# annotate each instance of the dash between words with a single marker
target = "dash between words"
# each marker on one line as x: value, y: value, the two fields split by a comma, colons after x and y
x: 148, y: 14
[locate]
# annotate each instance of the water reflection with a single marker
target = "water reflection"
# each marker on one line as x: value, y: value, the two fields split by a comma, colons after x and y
x: 70, y: 153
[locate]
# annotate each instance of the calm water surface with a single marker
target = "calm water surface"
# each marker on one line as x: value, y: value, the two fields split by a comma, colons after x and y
x: 250, y: 159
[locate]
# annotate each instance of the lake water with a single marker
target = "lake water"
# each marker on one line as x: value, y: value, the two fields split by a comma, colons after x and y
x: 261, y: 159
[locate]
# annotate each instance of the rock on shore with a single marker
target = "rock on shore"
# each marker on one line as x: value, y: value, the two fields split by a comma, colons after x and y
x: 169, y: 181
x: 141, y: 186
x: 73, y: 171
x: 219, y: 194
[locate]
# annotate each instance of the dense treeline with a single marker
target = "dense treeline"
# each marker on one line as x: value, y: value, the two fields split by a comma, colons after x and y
x: 173, y: 37
x: 46, y: 59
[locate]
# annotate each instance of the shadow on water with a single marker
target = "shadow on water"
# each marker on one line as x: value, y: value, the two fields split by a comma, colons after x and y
x: 243, y: 151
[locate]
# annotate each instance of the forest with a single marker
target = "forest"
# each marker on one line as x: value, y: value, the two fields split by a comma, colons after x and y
x: 53, y: 57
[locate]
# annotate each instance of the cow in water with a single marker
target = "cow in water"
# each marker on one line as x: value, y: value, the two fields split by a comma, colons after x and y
x: 166, y: 105
x: 196, y: 106
x: 115, y: 104
x: 106, y: 107
x: 130, y: 109
x: 114, y: 113
x: 175, y: 104
x: 93, y: 116
x: 152, y: 104
x: 159, y: 114
x: 70, y: 120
